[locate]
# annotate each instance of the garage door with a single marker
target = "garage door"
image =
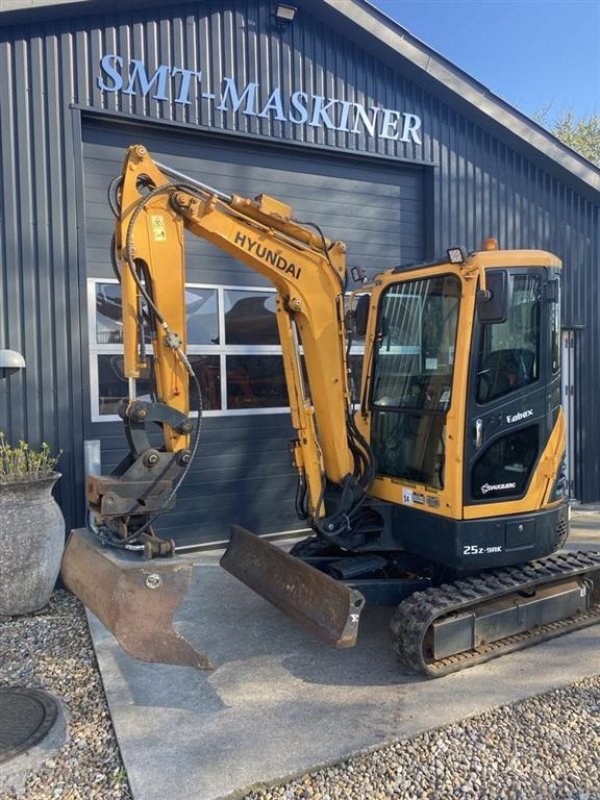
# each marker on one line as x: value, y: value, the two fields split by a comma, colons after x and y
x: 243, y: 471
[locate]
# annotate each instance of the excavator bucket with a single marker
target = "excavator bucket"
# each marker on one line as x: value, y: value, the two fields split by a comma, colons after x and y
x: 328, y: 609
x: 135, y: 600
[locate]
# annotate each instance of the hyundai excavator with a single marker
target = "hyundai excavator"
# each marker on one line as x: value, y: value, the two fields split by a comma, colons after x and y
x: 438, y: 487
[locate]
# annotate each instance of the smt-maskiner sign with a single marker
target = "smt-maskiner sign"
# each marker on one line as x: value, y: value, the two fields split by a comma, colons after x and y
x: 299, y: 108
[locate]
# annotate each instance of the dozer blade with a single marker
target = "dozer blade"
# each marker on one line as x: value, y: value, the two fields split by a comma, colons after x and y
x: 134, y: 599
x: 328, y: 609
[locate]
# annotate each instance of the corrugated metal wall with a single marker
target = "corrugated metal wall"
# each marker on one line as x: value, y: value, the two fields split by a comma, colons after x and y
x: 480, y: 186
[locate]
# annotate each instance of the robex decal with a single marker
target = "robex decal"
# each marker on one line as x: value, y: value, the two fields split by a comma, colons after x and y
x: 179, y: 85
x: 519, y: 416
x: 267, y: 255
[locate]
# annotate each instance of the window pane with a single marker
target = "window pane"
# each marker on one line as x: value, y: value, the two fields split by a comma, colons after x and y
x: 503, y: 470
x: 255, y: 382
x: 555, y: 336
x: 355, y: 362
x: 509, y: 351
x: 356, y: 306
x: 208, y: 371
x: 416, y: 341
x: 109, y: 328
x: 409, y: 446
x: 201, y: 309
x: 201, y: 314
x: 250, y: 317
x: 113, y: 386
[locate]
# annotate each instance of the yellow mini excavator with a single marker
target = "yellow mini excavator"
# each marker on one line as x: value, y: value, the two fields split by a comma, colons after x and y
x: 440, y: 490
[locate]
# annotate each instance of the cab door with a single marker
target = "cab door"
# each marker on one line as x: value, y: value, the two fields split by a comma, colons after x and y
x: 514, y: 391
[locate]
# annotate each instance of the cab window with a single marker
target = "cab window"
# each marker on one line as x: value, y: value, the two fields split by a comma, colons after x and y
x: 508, y: 354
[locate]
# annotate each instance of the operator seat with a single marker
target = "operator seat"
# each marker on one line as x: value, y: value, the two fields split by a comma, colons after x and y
x: 505, y: 371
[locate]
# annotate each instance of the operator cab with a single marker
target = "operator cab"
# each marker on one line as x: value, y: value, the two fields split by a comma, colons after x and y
x: 462, y: 401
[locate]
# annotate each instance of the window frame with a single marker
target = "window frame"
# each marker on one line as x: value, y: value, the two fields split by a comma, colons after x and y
x: 222, y: 350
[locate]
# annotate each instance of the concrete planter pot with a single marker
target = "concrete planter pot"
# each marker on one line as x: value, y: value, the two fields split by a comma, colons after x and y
x: 32, y: 539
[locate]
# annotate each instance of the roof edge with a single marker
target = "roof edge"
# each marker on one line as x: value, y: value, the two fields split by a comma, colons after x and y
x: 382, y: 27
x: 364, y: 14
x: 59, y: 9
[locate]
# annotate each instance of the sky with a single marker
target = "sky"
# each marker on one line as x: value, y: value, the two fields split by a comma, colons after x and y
x: 534, y: 54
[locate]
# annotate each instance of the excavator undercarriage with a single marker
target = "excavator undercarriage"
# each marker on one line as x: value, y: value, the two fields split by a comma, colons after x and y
x: 436, y: 629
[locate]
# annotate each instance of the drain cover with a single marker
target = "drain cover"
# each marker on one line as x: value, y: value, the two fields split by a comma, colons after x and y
x: 26, y: 716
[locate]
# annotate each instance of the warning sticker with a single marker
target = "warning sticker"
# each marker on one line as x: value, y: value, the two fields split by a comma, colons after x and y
x: 158, y: 228
x: 407, y: 495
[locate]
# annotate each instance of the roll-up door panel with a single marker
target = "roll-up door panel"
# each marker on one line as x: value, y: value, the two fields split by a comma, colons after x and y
x: 243, y: 471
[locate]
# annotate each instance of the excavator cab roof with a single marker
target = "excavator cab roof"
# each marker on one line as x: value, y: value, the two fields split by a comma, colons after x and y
x: 491, y: 259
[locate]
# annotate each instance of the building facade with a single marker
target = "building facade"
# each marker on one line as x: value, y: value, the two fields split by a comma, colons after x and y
x: 338, y: 112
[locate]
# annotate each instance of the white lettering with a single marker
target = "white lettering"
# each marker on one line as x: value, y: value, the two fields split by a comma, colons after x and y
x: 519, y: 416
x: 320, y: 114
x: 184, y: 89
x: 230, y: 92
x: 299, y: 101
x: 362, y: 116
x: 274, y: 103
x: 107, y: 65
x: 343, y: 123
x: 180, y: 85
x: 389, y: 124
x: 139, y: 74
x: 410, y: 128
x: 497, y: 487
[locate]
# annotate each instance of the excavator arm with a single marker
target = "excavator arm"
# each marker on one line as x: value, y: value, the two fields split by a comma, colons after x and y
x: 154, y: 206
x: 309, y: 274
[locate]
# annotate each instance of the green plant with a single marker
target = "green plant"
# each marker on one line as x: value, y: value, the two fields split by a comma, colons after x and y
x: 23, y: 463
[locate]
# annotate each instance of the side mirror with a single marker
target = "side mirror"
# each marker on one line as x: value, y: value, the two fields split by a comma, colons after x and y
x: 553, y: 291
x: 361, y: 314
x: 492, y: 305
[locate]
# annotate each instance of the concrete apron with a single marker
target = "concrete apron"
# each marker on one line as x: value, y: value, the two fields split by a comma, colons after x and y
x: 280, y: 704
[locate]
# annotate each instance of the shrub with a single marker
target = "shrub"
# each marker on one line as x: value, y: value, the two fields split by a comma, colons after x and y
x: 23, y: 463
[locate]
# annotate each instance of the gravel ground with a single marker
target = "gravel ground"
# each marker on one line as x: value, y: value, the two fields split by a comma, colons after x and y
x: 52, y: 650
x: 544, y: 748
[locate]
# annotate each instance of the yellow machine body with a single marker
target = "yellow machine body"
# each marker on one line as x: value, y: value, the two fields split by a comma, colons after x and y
x: 451, y: 462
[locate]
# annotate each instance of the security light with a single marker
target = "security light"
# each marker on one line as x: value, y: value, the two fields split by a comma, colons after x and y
x: 10, y: 361
x: 284, y: 13
x: 457, y: 255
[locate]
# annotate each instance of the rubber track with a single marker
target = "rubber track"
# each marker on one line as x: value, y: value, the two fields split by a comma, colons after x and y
x: 414, y: 616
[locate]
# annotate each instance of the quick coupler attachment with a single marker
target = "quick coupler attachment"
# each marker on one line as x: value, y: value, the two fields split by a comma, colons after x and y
x: 325, y: 607
x: 135, y: 600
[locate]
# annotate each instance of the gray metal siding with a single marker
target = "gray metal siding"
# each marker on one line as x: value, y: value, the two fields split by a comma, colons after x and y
x: 375, y: 208
x: 484, y: 183
x: 40, y: 314
x: 243, y: 471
